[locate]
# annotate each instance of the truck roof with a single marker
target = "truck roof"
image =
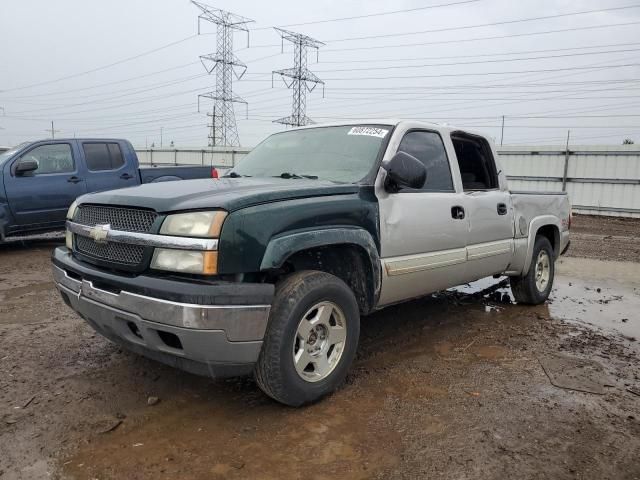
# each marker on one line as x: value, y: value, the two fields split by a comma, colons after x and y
x: 81, y: 139
x: 442, y: 127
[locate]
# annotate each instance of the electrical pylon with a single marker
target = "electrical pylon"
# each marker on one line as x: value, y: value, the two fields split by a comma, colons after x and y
x: 223, y: 127
x: 302, y: 80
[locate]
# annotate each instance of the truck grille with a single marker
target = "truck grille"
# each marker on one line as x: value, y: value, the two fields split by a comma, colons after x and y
x: 127, y: 219
x: 111, y: 252
x: 119, y: 218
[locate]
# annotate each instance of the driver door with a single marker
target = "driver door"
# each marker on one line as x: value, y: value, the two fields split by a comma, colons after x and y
x: 423, y: 231
x: 41, y: 198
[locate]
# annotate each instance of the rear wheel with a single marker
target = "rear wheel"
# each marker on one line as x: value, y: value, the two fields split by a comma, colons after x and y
x: 311, y: 338
x: 534, y: 288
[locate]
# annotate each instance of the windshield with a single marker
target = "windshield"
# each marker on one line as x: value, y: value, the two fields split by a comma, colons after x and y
x: 340, y: 154
x: 9, y: 153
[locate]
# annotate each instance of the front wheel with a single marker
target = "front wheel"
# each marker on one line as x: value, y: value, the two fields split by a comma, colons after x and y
x: 311, y: 338
x: 534, y: 288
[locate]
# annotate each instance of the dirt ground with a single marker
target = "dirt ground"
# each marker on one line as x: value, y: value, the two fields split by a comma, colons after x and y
x: 460, y: 385
x: 614, y: 238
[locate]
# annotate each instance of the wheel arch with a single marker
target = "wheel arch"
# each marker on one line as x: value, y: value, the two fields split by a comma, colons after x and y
x: 349, y: 253
x: 548, y: 226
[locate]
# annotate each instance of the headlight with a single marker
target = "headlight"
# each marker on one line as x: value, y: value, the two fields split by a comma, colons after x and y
x: 185, y: 261
x: 68, y: 236
x: 194, y: 224
x: 72, y: 210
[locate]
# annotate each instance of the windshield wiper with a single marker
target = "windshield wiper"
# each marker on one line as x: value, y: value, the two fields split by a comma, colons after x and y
x: 295, y: 175
x: 235, y: 175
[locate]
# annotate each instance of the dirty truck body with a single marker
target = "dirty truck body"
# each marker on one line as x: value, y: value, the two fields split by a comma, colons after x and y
x: 269, y: 269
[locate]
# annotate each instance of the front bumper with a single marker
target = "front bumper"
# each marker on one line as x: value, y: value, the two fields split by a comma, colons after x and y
x: 220, y: 334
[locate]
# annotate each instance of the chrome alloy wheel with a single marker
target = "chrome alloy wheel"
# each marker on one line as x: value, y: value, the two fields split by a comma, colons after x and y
x: 543, y: 270
x: 320, y: 341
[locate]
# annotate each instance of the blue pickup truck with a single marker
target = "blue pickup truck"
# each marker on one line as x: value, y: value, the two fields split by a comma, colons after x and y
x: 41, y: 179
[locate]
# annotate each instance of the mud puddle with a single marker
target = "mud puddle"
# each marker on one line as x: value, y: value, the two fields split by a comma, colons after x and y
x: 600, y: 294
x: 594, y: 293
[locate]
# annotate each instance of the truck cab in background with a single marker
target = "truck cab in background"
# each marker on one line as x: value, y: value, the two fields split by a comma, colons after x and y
x: 40, y: 180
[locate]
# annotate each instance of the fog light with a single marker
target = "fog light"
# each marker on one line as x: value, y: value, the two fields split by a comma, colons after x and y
x: 185, y: 261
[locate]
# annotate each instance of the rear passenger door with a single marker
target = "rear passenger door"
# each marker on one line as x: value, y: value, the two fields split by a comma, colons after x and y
x: 488, y: 207
x: 106, y: 166
x: 423, y: 231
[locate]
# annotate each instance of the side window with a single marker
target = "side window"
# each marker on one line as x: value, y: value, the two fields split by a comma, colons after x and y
x: 116, y: 156
x: 477, y: 166
x: 429, y: 149
x: 55, y: 158
x: 97, y: 156
x: 103, y: 156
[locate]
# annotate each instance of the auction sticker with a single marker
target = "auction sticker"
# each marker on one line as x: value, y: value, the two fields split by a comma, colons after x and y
x: 369, y: 131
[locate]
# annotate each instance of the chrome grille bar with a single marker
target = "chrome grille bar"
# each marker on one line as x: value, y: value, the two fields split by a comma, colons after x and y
x: 144, y: 239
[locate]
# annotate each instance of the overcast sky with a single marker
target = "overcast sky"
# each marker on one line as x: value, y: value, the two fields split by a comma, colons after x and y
x: 421, y: 64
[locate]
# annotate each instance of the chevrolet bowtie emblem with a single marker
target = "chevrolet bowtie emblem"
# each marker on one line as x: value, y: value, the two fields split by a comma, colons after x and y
x: 99, y: 233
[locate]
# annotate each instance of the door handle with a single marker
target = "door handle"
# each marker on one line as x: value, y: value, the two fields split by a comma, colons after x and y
x: 457, y: 212
x: 126, y: 176
x: 502, y: 209
x: 73, y: 179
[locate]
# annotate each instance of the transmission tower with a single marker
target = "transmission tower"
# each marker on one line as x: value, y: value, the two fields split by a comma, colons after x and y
x: 223, y: 128
x: 299, y: 78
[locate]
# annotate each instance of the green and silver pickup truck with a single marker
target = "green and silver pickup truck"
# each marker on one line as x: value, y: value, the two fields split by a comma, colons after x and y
x: 268, y: 270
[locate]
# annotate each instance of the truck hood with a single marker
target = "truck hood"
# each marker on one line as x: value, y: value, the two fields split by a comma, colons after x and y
x: 226, y: 193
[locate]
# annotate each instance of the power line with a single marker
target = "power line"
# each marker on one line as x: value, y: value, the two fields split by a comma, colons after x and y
x: 482, y: 25
x: 465, y: 74
x: 172, y: 82
x: 476, y: 55
x: 473, y: 39
x: 75, y: 90
x: 120, y: 93
x: 119, y: 115
x: 115, y: 82
x: 103, y: 67
x: 502, y: 60
x: 116, y: 97
x: 379, y: 14
x: 418, y: 88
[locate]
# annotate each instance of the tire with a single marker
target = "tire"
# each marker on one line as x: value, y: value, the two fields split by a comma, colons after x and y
x: 277, y: 372
x: 528, y: 289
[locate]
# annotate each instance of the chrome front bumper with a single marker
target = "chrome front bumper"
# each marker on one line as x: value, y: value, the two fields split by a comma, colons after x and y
x: 211, y: 340
x: 239, y: 322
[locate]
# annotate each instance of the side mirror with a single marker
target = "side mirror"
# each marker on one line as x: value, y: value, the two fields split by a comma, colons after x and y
x: 25, y: 166
x: 404, y: 171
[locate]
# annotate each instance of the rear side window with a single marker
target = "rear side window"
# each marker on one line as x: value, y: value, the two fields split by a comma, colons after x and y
x: 477, y: 166
x: 103, y: 156
x: 116, y: 156
x: 429, y: 149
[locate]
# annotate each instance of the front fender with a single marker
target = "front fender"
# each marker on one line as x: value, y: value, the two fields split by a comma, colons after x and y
x: 281, y: 247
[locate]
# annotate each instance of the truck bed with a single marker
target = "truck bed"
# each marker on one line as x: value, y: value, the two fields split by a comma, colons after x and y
x: 166, y: 173
x: 529, y: 205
